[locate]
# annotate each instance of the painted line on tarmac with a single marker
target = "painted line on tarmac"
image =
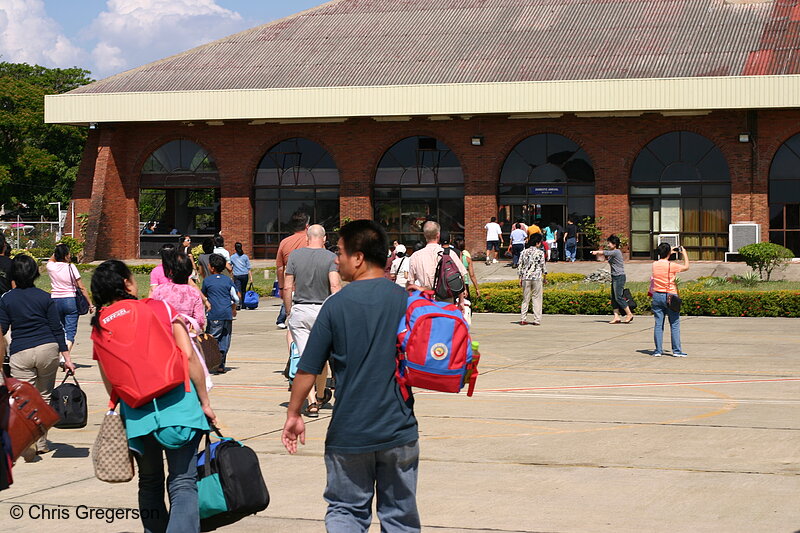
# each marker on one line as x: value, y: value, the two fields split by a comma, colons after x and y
x: 631, y: 398
x: 652, y: 384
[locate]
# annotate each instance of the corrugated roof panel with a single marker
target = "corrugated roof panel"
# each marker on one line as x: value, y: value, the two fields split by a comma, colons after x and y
x: 391, y: 42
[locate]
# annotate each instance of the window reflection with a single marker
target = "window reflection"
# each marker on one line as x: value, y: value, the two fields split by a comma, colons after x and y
x: 418, y: 179
x: 294, y: 175
x: 689, y: 166
x: 784, y: 196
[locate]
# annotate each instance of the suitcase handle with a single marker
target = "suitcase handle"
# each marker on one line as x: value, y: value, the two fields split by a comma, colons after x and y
x: 71, y: 374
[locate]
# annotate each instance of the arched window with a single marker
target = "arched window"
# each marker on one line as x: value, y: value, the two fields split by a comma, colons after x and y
x: 294, y: 175
x: 419, y: 178
x: 546, y: 178
x: 178, y: 193
x: 680, y: 185
x: 784, y: 196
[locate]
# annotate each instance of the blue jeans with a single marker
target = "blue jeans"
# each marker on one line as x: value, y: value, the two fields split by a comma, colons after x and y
x: 221, y: 330
x: 240, y: 283
x: 617, y: 286
x: 68, y: 314
x: 660, y: 308
x: 353, y: 479
x: 516, y: 251
x: 184, y: 512
x: 281, y: 315
x: 571, y: 248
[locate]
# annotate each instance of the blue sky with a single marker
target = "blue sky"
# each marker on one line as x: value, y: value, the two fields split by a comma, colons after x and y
x: 110, y: 36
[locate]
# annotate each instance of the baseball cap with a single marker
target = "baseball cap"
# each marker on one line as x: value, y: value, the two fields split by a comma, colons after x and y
x: 400, y: 249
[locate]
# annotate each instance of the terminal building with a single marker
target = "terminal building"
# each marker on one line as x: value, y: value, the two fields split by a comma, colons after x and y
x: 656, y: 118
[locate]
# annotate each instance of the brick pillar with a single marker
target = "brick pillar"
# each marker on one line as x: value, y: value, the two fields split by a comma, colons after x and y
x: 113, y: 224
x: 355, y: 199
x: 82, y: 190
x: 236, y: 210
x: 478, y: 209
x: 612, y: 202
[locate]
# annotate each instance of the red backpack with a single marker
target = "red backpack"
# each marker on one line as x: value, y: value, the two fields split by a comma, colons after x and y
x: 447, y: 282
x: 139, y: 356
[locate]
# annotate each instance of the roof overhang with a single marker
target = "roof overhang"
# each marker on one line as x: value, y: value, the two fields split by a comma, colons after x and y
x: 583, y: 96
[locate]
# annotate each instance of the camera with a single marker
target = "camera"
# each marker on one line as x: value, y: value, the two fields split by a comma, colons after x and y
x: 677, y: 249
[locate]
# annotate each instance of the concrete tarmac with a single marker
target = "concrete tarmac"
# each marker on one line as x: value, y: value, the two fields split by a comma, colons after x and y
x: 574, y: 427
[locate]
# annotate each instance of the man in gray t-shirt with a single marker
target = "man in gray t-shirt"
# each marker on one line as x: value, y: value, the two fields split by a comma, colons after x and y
x: 311, y: 276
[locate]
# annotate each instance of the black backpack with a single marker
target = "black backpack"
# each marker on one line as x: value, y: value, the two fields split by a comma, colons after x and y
x: 232, y: 468
x: 447, y: 282
x: 69, y: 401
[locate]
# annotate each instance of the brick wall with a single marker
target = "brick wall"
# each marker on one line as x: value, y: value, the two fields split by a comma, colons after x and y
x: 107, y: 185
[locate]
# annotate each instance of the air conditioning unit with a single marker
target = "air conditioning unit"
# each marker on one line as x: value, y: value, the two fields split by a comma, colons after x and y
x: 673, y: 239
x: 740, y: 235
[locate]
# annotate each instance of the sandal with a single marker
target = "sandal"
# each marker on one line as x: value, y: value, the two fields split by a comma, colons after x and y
x: 628, y: 321
x: 312, y: 411
x: 326, y: 397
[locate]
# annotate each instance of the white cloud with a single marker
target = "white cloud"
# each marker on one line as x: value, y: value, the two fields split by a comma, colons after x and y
x: 134, y: 32
x: 28, y: 35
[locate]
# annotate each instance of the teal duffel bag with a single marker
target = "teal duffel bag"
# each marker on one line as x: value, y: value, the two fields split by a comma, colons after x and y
x: 229, y: 483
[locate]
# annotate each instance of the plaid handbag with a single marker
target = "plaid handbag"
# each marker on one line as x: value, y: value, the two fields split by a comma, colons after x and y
x: 111, y: 457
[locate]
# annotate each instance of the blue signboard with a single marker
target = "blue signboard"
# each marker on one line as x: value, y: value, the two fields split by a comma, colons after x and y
x: 546, y: 191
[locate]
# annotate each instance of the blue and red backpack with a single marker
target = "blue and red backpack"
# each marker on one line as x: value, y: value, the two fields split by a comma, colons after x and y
x: 434, y: 350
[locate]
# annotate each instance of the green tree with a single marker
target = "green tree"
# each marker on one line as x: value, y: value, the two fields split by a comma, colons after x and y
x: 38, y: 162
x: 765, y: 257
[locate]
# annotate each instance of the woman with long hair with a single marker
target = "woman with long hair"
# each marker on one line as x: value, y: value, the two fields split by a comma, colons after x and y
x: 242, y: 270
x: 65, y: 281
x: 38, y: 336
x: 171, y: 424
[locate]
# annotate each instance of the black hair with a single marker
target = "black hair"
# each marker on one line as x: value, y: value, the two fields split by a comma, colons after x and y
x: 494, y: 219
x: 367, y: 237
x: 219, y: 241
x: 553, y: 225
x: 183, y: 238
x: 459, y: 243
x: 217, y: 263
x: 61, y: 252
x: 664, y: 250
x: 181, y: 269
x: 535, y: 239
x: 299, y: 221
x: 238, y: 247
x: 613, y: 239
x: 208, y: 245
x: 167, y: 253
x: 3, y: 245
x: 517, y: 226
x: 108, y: 285
x: 24, y: 271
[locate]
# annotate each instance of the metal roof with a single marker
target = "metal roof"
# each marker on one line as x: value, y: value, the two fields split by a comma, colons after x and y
x: 373, y: 43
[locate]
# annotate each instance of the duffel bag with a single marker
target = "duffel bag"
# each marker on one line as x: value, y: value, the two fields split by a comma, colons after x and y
x: 69, y: 401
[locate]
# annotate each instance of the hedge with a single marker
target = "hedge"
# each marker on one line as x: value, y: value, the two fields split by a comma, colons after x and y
x: 707, y: 303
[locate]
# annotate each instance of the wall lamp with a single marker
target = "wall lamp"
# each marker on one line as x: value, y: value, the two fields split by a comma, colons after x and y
x: 93, y: 125
x: 476, y: 140
x: 744, y: 137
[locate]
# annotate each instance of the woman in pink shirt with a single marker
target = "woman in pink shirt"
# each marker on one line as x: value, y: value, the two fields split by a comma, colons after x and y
x: 161, y: 274
x: 64, y: 281
x: 181, y: 296
x: 663, y: 288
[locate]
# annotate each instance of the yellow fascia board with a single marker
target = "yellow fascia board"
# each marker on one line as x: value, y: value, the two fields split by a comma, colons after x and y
x: 589, y: 96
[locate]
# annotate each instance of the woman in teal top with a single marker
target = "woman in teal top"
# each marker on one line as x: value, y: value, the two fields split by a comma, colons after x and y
x: 466, y: 259
x: 172, y: 424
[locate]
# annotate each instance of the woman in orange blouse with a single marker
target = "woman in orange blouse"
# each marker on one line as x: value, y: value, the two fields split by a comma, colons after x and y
x: 663, y: 284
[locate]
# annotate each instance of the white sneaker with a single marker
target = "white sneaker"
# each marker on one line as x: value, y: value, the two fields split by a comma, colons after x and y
x: 679, y: 354
x: 282, y: 325
x: 494, y: 260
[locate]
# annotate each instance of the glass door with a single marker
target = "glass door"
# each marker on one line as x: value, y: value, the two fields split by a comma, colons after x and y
x: 642, y: 228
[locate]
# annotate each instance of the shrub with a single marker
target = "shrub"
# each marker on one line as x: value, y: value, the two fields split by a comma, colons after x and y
x: 565, y: 277
x: 197, y: 250
x: 710, y: 303
x: 764, y: 257
x: 17, y: 251
x: 86, y: 267
x: 141, y: 269
x: 75, y: 246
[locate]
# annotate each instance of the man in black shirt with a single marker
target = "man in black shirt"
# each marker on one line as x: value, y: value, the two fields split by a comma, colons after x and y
x: 5, y: 266
x: 571, y: 240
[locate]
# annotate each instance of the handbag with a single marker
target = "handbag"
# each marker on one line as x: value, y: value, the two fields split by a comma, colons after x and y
x: 69, y: 401
x: 628, y: 297
x: 81, y: 303
x: 674, y: 302
x: 210, y: 348
x: 250, y: 300
x: 230, y: 484
x: 111, y: 456
x: 30, y: 416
